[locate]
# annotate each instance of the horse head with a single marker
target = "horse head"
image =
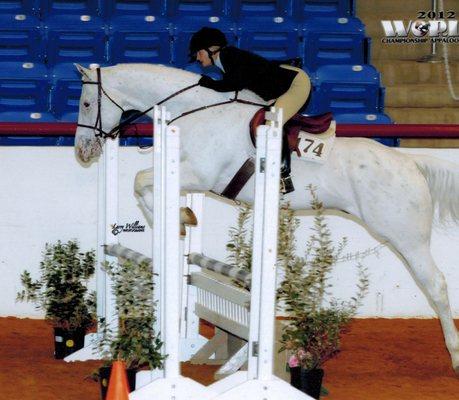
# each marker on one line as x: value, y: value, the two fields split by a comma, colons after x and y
x: 95, y: 101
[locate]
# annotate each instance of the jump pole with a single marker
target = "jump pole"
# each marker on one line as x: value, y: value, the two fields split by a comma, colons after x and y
x: 167, y: 263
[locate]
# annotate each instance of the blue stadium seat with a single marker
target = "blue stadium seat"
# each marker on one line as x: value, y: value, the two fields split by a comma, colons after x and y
x: 70, y: 10
x: 20, y: 40
x: 334, y: 41
x: 260, y: 10
x: 362, y: 118
x: 344, y: 89
x: 182, y: 33
x: 26, y: 116
x: 307, y: 9
x: 80, y: 41
x: 119, y: 9
x: 65, y: 92
x: 192, y: 8
x: 20, y: 7
x: 273, y: 41
x: 136, y: 40
x: 24, y: 88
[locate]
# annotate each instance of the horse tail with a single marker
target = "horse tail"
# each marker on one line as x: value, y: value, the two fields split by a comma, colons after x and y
x: 443, y: 180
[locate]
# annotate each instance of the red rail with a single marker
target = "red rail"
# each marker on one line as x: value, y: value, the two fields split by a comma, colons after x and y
x: 343, y: 130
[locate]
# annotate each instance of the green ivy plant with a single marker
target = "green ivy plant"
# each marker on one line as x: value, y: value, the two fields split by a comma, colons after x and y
x: 134, y: 341
x: 61, y: 290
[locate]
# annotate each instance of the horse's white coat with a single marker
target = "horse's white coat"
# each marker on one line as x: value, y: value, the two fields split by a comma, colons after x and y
x: 392, y: 193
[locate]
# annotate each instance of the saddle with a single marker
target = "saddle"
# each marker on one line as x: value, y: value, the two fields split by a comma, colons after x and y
x: 313, y: 124
x: 290, y: 143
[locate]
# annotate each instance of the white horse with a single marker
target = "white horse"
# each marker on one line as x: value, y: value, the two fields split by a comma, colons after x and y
x: 394, y: 194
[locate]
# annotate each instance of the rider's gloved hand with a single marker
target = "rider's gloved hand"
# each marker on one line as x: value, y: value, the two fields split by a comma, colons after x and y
x: 205, y: 81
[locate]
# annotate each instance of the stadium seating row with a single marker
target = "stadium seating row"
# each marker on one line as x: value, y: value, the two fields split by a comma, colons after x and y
x: 319, y: 42
x: 42, y: 94
x: 234, y: 9
x: 40, y: 40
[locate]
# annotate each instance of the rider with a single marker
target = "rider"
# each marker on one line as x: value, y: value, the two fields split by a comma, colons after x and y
x: 245, y: 70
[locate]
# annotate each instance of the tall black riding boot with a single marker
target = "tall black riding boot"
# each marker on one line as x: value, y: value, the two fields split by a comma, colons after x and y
x: 286, y: 184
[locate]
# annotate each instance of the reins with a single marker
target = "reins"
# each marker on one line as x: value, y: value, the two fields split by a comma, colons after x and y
x: 129, y: 121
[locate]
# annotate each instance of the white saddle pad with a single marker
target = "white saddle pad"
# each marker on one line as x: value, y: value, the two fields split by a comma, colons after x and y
x: 317, y: 147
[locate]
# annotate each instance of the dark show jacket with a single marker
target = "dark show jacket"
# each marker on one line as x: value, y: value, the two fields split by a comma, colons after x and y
x: 245, y: 70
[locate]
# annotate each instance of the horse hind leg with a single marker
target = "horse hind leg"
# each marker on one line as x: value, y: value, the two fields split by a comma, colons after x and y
x: 432, y: 282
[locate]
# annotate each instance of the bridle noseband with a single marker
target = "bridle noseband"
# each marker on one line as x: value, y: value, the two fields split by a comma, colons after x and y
x: 128, y: 121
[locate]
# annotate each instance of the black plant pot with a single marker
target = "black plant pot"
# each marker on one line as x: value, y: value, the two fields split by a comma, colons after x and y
x: 308, y: 381
x: 104, y: 379
x: 67, y: 341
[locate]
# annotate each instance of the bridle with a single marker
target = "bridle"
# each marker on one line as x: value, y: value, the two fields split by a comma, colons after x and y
x: 117, y: 129
x: 98, y: 124
x: 113, y: 133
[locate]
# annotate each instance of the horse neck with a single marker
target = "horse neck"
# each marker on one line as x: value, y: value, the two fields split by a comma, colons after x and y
x: 143, y: 86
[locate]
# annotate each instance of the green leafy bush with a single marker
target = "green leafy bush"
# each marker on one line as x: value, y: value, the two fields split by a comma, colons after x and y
x: 134, y: 341
x: 61, y: 291
x: 315, y: 320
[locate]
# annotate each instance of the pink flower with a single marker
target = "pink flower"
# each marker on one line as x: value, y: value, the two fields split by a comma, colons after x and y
x: 301, y: 354
x: 293, y: 361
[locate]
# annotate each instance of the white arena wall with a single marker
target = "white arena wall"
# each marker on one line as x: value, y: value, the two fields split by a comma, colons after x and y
x: 46, y: 195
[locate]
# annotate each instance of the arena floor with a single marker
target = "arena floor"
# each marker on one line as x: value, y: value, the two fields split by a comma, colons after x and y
x: 381, y: 359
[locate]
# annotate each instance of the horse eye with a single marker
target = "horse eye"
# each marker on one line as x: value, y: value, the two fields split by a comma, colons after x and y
x: 86, y: 104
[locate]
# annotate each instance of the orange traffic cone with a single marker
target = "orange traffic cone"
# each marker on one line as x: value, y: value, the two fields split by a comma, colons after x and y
x: 118, y: 387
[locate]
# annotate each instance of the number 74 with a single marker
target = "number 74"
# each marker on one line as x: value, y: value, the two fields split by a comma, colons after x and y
x: 316, y: 150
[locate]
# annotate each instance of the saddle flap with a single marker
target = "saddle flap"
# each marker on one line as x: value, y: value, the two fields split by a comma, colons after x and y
x: 315, y: 124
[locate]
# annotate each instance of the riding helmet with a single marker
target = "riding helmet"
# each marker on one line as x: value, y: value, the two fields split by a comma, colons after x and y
x: 205, y: 38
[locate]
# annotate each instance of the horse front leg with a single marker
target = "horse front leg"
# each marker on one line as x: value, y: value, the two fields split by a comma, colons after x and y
x: 143, y: 189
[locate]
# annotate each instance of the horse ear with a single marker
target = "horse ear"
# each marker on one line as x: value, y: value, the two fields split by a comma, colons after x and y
x: 82, y: 70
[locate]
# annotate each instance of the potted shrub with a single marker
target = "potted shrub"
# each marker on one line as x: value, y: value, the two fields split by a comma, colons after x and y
x: 315, y: 321
x: 134, y: 341
x: 61, y: 292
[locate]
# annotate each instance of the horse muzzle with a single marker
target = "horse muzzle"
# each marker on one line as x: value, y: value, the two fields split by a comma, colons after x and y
x: 87, y: 148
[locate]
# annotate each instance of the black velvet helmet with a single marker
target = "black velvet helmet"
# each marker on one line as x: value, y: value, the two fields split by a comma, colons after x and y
x: 205, y: 38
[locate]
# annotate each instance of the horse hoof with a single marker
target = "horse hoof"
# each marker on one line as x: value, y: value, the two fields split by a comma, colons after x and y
x: 187, y: 216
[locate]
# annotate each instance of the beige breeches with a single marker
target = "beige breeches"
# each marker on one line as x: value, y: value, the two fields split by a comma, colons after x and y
x: 295, y: 97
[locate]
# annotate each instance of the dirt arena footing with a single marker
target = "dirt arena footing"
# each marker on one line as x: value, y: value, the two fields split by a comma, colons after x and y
x: 381, y: 359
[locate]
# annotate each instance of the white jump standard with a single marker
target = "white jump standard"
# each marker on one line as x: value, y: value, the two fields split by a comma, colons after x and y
x: 107, y: 213
x: 258, y: 382
x: 167, y: 264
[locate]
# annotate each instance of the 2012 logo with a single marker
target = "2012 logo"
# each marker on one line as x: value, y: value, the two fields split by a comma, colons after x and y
x: 421, y: 30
